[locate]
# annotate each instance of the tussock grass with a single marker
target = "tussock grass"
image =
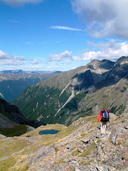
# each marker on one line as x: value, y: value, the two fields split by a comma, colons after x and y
x: 88, y: 150
x: 22, y: 167
x: 21, y: 148
x: 75, y: 152
x: 86, y: 163
x: 16, y: 151
x: 7, y: 163
x: 13, y: 147
x: 60, y: 161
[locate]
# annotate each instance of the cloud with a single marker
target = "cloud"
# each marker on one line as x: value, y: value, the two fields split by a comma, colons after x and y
x: 111, y: 50
x: 61, y: 56
x: 4, y: 55
x: 6, y: 59
x: 103, y: 17
x: 65, y: 28
x: 20, y: 2
x: 34, y: 61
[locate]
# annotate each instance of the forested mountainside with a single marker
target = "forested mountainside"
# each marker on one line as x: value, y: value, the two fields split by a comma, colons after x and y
x: 78, y: 93
x: 12, y: 83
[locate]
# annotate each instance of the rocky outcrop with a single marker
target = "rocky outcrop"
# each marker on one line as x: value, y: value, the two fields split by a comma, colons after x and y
x: 86, y: 149
x: 79, y: 147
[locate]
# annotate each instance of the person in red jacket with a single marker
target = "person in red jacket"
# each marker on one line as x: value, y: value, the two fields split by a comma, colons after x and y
x: 104, y: 118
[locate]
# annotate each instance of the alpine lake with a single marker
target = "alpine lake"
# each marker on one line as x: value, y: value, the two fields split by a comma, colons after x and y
x: 50, y: 131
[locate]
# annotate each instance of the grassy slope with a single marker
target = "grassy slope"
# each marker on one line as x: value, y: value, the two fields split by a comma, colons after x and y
x: 16, y: 152
x: 18, y: 149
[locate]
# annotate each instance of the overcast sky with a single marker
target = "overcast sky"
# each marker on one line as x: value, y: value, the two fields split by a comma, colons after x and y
x: 61, y: 34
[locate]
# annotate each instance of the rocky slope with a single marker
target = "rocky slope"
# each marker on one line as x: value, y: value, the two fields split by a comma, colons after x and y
x: 79, y: 147
x: 78, y: 93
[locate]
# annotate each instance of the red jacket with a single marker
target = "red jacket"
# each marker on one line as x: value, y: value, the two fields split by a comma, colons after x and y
x: 100, y: 115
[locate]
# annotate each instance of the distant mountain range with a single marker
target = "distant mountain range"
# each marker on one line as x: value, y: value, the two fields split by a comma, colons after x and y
x: 13, y: 82
x: 19, y: 71
x: 78, y: 93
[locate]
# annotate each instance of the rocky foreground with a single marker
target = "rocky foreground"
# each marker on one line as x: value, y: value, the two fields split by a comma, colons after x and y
x: 79, y: 147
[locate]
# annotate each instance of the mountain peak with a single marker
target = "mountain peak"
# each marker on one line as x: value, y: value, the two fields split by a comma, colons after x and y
x: 100, y: 66
x: 121, y: 61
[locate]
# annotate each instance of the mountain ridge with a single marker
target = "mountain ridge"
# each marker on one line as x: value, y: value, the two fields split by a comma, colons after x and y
x: 13, y: 82
x: 77, y: 93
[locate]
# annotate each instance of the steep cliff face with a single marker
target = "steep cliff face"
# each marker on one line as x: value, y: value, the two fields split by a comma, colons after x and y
x: 79, y: 147
x: 77, y: 93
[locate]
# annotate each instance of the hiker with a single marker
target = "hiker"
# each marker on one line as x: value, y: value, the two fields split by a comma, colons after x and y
x: 104, y: 118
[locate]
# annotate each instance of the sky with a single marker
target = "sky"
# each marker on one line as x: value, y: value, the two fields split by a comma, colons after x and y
x: 60, y: 35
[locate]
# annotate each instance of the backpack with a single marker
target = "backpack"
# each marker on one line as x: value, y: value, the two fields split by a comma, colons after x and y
x: 105, y: 116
